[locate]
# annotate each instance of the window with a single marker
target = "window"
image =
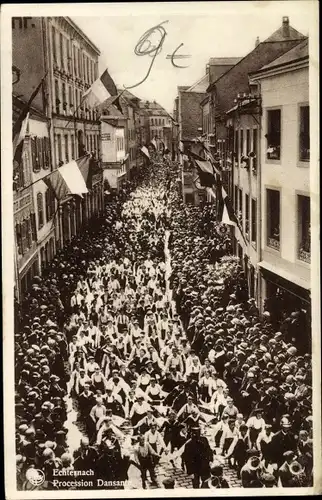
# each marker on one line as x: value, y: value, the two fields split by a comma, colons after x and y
x: 273, y: 134
x: 248, y: 150
x: 247, y: 228
x: 241, y: 142
x: 40, y: 209
x: 66, y: 149
x: 304, y: 133
x: 89, y: 70
x: 64, y: 96
x: 53, y: 32
x: 50, y: 204
x: 69, y: 60
x: 59, y: 151
x: 152, y: 121
x: 254, y: 150
x: 34, y: 155
x: 304, y: 228
x: 273, y: 218
x: 240, y: 210
x: 236, y: 146
x: 61, y: 43
x: 73, y: 146
x: 57, y: 98
x: 71, y: 99
x: 75, y: 60
x: 236, y: 199
x: 254, y: 219
x: 24, y: 238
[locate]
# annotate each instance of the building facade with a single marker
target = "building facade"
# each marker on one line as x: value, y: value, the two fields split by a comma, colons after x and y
x: 61, y: 128
x: 236, y: 122
x: 26, y: 256
x: 285, y: 180
x: 113, y: 147
x: 157, y: 122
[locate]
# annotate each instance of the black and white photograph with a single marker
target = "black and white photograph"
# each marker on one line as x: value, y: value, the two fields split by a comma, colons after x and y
x: 160, y: 241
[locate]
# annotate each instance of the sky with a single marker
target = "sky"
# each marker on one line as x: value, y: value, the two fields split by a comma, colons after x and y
x: 212, y: 29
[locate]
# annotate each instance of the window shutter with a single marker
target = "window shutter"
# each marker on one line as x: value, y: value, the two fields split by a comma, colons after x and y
x: 33, y: 154
x: 47, y: 204
x: 29, y: 234
x: 18, y: 238
x: 33, y: 226
x: 40, y: 152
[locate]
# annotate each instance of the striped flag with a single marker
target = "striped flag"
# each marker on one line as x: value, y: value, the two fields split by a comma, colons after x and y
x: 145, y: 151
x: 102, y: 89
x: 226, y: 213
x: 20, y: 127
x: 68, y: 179
x: 206, y: 173
x: 154, y: 144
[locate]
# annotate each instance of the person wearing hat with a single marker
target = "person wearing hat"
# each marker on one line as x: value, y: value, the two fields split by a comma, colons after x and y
x: 283, y: 441
x: 197, y: 456
x: 251, y: 471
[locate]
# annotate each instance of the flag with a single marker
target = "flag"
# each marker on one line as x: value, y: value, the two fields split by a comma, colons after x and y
x: 125, y: 159
x: 206, y: 173
x: 102, y: 89
x: 145, y: 151
x: 20, y: 127
x: 18, y: 142
x: 154, y: 144
x: 86, y: 167
x: 225, y: 211
x: 67, y: 179
x: 228, y: 215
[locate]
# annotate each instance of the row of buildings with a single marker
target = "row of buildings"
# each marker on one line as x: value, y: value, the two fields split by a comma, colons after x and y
x: 254, y: 112
x: 60, y: 129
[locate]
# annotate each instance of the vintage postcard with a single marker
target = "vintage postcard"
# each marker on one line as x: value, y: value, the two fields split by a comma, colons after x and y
x: 160, y: 215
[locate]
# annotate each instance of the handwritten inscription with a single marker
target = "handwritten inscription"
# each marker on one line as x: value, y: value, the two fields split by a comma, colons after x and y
x: 150, y: 44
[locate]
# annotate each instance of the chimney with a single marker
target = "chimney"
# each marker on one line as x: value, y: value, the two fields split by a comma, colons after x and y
x: 286, y: 27
x: 257, y: 42
x: 207, y: 69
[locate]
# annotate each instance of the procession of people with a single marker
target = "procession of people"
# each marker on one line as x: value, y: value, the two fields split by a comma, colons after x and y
x: 144, y: 330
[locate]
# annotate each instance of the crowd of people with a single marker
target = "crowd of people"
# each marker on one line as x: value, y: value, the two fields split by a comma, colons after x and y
x: 145, y: 326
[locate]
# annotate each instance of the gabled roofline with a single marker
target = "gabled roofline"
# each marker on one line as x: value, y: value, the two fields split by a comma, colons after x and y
x: 299, y: 63
x: 212, y: 85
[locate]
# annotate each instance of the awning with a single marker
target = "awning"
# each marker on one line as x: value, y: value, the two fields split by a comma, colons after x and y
x: 285, y: 274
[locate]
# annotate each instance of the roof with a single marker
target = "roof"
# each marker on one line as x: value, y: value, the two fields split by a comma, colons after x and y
x: 127, y: 94
x: 300, y: 51
x: 201, y: 85
x: 236, y: 79
x: 280, y: 35
x: 83, y: 35
x: 224, y: 61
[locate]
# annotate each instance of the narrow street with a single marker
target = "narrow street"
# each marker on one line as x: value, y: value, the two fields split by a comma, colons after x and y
x: 161, y: 277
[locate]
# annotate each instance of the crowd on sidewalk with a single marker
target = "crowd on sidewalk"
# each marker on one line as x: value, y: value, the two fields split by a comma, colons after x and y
x: 146, y: 324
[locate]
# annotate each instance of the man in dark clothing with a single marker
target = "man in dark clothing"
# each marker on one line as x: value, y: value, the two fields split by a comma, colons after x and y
x: 283, y: 441
x: 197, y: 456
